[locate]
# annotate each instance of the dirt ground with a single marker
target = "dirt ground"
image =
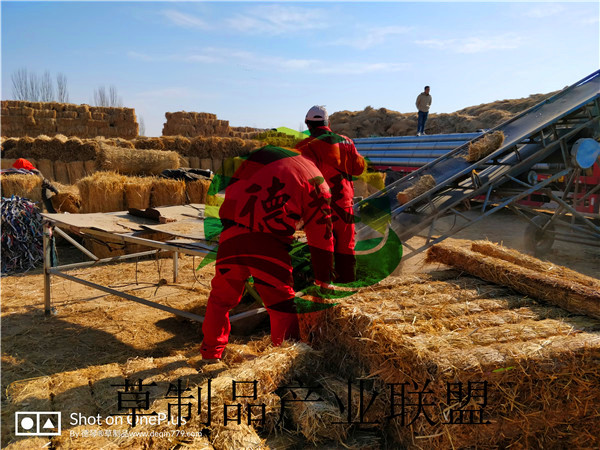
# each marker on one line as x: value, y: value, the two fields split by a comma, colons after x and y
x: 93, y: 329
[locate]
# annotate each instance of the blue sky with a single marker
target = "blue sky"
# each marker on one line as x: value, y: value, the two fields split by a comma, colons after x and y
x: 263, y: 64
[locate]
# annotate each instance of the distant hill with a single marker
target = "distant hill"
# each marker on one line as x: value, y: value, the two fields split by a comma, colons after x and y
x: 385, y: 122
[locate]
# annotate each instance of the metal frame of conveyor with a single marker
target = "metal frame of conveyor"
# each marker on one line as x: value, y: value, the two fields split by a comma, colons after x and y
x: 51, y: 227
x: 538, y: 135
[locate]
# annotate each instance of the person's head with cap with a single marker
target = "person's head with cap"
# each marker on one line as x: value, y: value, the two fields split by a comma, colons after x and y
x: 317, y: 117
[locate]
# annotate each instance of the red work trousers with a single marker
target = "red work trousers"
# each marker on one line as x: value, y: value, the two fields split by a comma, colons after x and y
x: 243, y: 254
x: 344, y: 241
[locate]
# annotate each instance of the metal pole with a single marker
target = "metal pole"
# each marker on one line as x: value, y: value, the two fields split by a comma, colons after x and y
x: 47, y: 248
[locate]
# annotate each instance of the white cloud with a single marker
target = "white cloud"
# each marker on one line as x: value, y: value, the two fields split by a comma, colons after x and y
x: 191, y: 57
x: 474, y: 44
x: 185, y: 20
x: 279, y: 19
x: 373, y: 37
x: 257, y: 61
x: 544, y: 10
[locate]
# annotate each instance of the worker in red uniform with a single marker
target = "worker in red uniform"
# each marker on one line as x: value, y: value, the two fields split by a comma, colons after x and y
x: 272, y: 192
x: 336, y: 157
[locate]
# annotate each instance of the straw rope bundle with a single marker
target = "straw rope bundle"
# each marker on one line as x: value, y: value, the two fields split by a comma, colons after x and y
x: 484, y: 146
x: 541, y: 369
x: 564, y: 292
x: 136, y: 162
x: 423, y: 184
x: 21, y: 235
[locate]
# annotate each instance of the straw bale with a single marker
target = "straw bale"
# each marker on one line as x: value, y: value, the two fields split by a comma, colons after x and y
x: 518, y: 258
x: 228, y: 167
x: 216, y: 165
x: 316, y: 418
x: 102, y: 192
x: 7, y: 163
x: 194, y: 162
x: 46, y: 166
x: 76, y: 171
x: 28, y: 186
x: 89, y: 166
x: 423, y: 184
x: 149, y: 143
x: 540, y: 372
x: 236, y: 436
x: 136, y: 162
x: 184, y: 161
x: 205, y: 163
x: 485, y: 146
x: 9, y: 143
x: 61, y: 173
x: 167, y: 192
x: 138, y: 191
x: 564, y: 292
x: 66, y: 202
x: 196, y: 191
x: 200, y: 147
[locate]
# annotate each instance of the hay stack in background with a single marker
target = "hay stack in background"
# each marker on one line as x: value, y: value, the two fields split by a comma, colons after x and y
x: 136, y: 162
x: 46, y: 166
x: 197, y: 190
x: 7, y: 163
x: 61, y: 172
x: 76, y: 171
x: 564, y: 292
x: 485, y: 146
x: 167, y: 192
x: 26, y: 186
x: 138, y: 191
x: 148, y: 143
x: 102, y: 192
x: 423, y: 184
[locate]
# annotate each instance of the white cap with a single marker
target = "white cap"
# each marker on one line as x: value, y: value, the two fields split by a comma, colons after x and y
x: 317, y: 113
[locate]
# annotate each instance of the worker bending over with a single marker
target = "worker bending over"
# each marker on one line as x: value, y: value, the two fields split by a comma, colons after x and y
x: 336, y: 157
x: 272, y: 192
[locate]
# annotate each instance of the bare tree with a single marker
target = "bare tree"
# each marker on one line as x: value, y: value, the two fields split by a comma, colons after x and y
x: 20, y: 84
x: 46, y: 88
x: 62, y: 95
x: 110, y: 97
x: 142, y: 125
x: 34, y: 88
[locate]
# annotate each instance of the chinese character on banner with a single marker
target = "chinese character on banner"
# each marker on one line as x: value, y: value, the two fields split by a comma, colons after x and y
x: 410, y: 400
x: 310, y: 391
x: 362, y: 409
x: 135, y: 399
x: 178, y: 392
x: 467, y: 407
x: 273, y: 206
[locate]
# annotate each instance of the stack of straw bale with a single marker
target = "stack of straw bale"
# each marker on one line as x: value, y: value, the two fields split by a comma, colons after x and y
x: 192, y: 124
x: 21, y: 118
x: 540, y: 365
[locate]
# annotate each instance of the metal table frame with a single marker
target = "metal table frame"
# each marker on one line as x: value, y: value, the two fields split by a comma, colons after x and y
x: 50, y: 227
